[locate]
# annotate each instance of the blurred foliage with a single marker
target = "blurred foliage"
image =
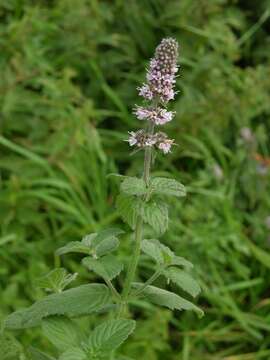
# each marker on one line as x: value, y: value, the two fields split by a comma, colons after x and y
x: 69, y: 72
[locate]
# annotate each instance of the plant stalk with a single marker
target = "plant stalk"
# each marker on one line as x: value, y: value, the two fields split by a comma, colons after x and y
x: 139, y: 222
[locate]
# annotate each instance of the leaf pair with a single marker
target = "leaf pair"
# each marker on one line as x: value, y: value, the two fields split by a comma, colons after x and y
x: 95, y: 244
x: 153, y: 212
x: 157, y: 185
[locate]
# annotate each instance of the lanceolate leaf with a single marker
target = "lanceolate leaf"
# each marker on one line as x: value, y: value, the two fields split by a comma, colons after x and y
x: 183, y: 280
x: 74, y: 354
x: 107, y: 267
x: 35, y: 354
x: 62, y: 332
x: 74, y: 302
x: 155, y: 213
x: 110, y: 335
x: 166, y: 186
x: 166, y: 298
x: 133, y: 186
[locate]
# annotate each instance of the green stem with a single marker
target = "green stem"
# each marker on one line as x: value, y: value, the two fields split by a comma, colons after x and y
x: 148, y: 282
x: 113, y: 289
x: 139, y: 222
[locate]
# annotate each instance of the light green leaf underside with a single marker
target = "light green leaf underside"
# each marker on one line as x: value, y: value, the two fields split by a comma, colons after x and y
x: 166, y: 186
x: 107, y: 267
x: 168, y: 299
x: 133, y: 186
x: 184, y: 280
x: 73, y: 354
x: 74, y: 302
x: 56, y: 280
x: 110, y: 335
x: 62, y: 332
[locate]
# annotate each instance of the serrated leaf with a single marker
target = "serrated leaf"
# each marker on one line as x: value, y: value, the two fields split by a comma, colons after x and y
x: 73, y: 247
x: 73, y: 354
x: 110, y: 335
x: 157, y: 251
x: 78, y: 301
x: 96, y: 244
x: 106, y: 246
x: 155, y: 213
x: 133, y: 186
x: 128, y: 208
x: 166, y: 186
x: 107, y: 267
x: 163, y: 255
x: 168, y: 299
x: 36, y: 354
x: 62, y: 332
x: 56, y: 280
x: 183, y: 280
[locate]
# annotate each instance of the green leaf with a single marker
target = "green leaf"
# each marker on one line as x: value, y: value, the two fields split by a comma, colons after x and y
x: 9, y: 347
x: 36, y: 354
x: 62, y: 332
x: 107, y: 267
x: 180, y: 261
x: 96, y: 244
x: 166, y: 186
x: 155, y: 213
x: 128, y: 208
x: 162, y: 254
x: 74, y: 354
x: 183, y: 280
x: 73, y: 247
x: 110, y: 335
x: 159, y: 252
x: 168, y: 299
x: 78, y: 301
x: 133, y: 186
x: 56, y: 280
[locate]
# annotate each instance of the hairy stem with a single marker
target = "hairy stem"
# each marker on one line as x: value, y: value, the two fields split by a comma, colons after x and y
x: 156, y: 274
x: 139, y: 223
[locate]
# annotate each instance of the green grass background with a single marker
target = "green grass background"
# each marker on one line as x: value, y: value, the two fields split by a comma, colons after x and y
x: 69, y: 73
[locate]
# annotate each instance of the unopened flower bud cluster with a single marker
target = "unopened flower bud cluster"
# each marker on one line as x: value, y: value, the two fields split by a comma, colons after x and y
x: 159, y: 89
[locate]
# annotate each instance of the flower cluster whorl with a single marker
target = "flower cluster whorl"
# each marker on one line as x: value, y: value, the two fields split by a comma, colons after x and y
x: 159, y: 89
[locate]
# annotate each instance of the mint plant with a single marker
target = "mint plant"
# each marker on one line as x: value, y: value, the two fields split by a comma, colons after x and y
x: 141, y: 204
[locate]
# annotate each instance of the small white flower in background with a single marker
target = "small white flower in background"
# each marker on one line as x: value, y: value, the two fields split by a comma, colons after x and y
x: 218, y: 172
x: 247, y: 135
x: 267, y: 222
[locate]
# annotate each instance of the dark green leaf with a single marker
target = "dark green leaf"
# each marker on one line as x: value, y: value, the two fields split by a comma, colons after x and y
x: 166, y: 186
x: 133, y: 186
x: 56, y: 280
x: 155, y: 213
